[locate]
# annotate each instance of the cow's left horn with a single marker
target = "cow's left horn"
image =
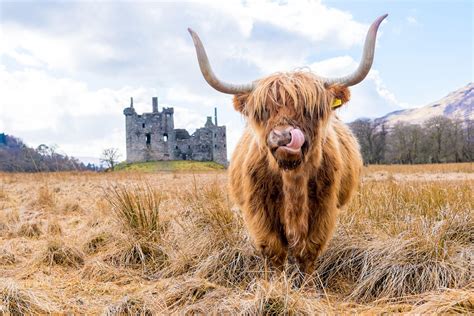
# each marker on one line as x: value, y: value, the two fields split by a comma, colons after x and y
x: 367, y: 58
x: 209, y: 75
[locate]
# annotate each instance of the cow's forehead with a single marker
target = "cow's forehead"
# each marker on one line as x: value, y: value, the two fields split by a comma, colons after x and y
x: 297, y: 90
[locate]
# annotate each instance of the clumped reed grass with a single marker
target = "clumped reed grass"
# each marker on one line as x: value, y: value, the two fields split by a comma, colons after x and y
x: 97, y: 242
x: 7, y: 257
x: 137, y: 210
x: 186, y: 292
x: 54, y: 228
x: 71, y: 207
x: 57, y: 253
x: 9, y: 219
x: 30, y: 230
x: 45, y: 198
x: 130, y: 306
x: 101, y: 272
x: 3, y: 193
x: 15, y: 300
x: 450, y: 301
x: 138, y: 254
x: 10, y: 216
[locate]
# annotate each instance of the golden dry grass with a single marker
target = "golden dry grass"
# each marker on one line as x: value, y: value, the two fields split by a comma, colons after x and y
x: 142, y: 244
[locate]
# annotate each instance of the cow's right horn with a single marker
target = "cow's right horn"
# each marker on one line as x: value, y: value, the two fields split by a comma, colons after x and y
x: 209, y: 75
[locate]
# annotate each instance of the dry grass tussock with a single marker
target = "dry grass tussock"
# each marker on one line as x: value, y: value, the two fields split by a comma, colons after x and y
x: 57, y: 253
x: 30, y: 230
x: 132, y: 306
x: 137, y: 211
x: 45, y: 198
x: 15, y: 300
x: 160, y: 244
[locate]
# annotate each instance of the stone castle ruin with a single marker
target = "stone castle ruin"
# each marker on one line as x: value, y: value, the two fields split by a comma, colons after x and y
x: 152, y: 136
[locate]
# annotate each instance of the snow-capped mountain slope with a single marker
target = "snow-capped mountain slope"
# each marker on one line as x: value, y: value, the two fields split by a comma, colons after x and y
x: 457, y: 104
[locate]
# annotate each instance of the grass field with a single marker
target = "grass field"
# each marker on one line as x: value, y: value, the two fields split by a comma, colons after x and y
x: 171, y: 242
x: 172, y: 165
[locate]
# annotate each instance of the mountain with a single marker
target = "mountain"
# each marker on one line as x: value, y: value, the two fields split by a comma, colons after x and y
x: 458, y: 104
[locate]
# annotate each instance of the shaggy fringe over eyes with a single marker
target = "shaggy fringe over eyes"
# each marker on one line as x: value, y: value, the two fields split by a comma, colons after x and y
x: 301, y: 89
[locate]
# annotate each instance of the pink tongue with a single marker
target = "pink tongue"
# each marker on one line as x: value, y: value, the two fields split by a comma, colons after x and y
x: 297, y: 139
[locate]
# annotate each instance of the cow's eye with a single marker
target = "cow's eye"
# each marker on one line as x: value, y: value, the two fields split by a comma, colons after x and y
x: 307, y: 113
x: 261, y: 116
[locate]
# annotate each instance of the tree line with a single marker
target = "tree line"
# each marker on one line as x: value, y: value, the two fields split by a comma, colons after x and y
x: 437, y: 140
x: 15, y: 156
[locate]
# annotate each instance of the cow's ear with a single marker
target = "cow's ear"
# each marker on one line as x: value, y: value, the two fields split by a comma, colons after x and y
x: 239, y: 102
x: 341, y: 95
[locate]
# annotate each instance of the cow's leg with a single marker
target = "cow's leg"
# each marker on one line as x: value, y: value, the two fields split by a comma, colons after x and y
x: 296, y: 214
x: 321, y: 230
x: 262, y: 208
x: 268, y: 240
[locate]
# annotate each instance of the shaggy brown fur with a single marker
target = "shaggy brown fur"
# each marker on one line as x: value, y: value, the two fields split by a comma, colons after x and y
x: 290, y: 201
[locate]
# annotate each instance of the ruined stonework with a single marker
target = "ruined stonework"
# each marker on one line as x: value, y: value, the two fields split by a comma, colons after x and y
x: 152, y: 136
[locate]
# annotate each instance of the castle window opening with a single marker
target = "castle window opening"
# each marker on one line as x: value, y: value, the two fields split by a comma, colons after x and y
x: 148, y: 139
x: 165, y: 137
x: 143, y: 125
x: 215, y: 146
x: 215, y: 135
x: 223, y: 134
x: 189, y: 146
x: 176, y: 147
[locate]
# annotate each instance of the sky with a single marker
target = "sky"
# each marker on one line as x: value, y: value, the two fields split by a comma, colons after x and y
x: 68, y: 69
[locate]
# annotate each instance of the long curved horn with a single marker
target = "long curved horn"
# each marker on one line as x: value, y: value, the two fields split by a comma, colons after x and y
x: 209, y: 75
x: 367, y: 58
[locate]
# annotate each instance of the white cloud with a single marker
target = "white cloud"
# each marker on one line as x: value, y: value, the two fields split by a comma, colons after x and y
x: 412, y: 20
x: 65, y: 52
x: 310, y: 19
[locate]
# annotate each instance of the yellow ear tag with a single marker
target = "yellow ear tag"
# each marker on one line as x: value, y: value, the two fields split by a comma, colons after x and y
x: 336, y: 103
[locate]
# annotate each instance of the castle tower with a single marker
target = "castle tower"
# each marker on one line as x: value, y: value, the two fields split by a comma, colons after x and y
x: 130, y: 118
x: 219, y: 140
x: 154, y: 101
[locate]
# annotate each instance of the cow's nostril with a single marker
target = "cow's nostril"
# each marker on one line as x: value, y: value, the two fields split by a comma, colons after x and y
x: 284, y: 141
x: 281, y: 138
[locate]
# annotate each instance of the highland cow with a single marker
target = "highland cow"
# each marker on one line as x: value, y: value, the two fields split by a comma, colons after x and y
x: 296, y: 164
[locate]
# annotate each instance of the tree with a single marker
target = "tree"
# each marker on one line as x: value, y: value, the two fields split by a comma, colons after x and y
x: 110, y: 157
x: 371, y: 137
x: 468, y: 141
x: 438, y: 129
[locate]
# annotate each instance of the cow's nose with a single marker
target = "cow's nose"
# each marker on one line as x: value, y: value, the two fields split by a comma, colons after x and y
x: 279, y: 137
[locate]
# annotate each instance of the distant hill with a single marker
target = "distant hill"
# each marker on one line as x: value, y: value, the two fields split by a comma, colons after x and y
x: 175, y: 165
x: 458, y: 104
